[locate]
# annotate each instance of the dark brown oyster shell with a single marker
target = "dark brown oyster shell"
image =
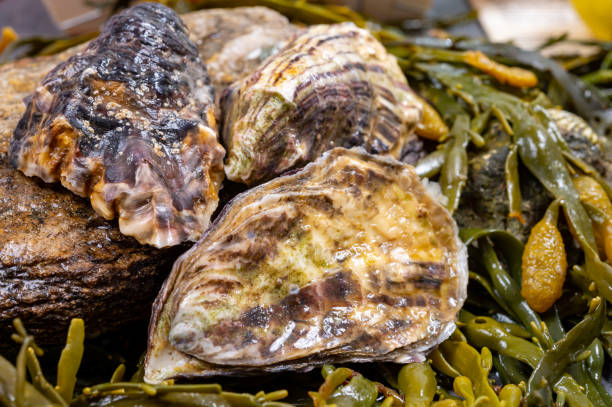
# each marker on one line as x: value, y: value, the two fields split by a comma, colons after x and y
x: 130, y: 123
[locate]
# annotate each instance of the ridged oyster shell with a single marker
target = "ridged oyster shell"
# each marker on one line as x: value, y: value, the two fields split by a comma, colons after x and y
x: 130, y: 123
x: 347, y: 259
x: 73, y: 263
x: 331, y: 86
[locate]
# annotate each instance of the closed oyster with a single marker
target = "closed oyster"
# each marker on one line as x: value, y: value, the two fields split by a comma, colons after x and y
x: 332, y: 85
x: 234, y: 42
x: 348, y: 259
x: 130, y: 123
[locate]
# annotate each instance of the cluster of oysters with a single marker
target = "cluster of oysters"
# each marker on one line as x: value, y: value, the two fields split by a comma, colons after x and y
x: 337, y: 252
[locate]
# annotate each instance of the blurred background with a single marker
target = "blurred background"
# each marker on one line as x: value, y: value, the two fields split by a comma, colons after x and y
x: 525, y: 22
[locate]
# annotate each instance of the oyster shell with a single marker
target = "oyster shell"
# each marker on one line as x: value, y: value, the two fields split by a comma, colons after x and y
x: 332, y: 85
x: 130, y: 123
x: 234, y: 42
x: 347, y: 259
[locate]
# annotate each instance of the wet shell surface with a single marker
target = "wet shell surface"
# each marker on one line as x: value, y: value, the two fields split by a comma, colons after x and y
x: 66, y: 260
x: 347, y: 259
x: 330, y: 86
x: 130, y: 123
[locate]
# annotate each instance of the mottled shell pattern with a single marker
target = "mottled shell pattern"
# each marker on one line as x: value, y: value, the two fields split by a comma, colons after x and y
x: 130, y: 123
x: 347, y: 259
x: 332, y: 85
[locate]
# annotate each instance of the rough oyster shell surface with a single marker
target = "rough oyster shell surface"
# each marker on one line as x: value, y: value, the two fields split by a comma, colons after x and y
x: 130, y: 123
x: 330, y: 86
x: 58, y: 258
x: 347, y: 259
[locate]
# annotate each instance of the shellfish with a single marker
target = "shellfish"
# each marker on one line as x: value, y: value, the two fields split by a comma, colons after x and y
x: 130, y: 123
x: 331, y: 86
x: 347, y: 259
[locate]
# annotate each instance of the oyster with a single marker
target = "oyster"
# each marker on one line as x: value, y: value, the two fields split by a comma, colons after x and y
x: 234, y: 42
x: 332, y: 85
x: 347, y: 259
x: 130, y: 123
